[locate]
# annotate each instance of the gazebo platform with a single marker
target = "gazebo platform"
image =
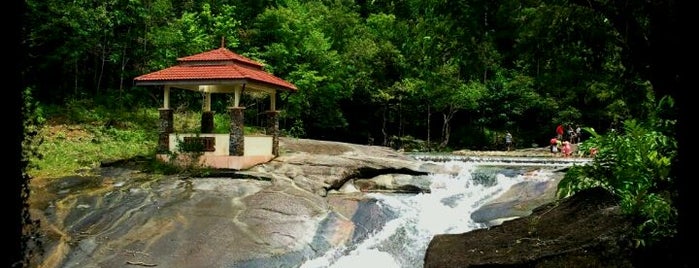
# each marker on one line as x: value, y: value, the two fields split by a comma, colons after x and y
x: 215, y: 150
x: 223, y: 161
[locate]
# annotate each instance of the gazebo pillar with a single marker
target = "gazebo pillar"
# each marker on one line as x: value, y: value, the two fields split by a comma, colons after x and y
x: 207, y: 116
x: 165, y: 126
x: 273, y: 123
x: 236, y: 143
x: 273, y: 129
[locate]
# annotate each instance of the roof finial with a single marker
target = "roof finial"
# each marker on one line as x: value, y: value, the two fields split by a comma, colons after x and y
x: 223, y: 38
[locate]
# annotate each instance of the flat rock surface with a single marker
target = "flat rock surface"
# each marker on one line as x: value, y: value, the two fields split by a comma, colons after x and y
x: 276, y: 214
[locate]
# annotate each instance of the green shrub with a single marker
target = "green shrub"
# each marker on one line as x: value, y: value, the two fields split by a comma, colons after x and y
x: 296, y: 130
x: 633, y: 164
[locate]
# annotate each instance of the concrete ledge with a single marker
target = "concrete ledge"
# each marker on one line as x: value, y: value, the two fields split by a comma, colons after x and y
x: 253, y: 144
x: 222, y: 161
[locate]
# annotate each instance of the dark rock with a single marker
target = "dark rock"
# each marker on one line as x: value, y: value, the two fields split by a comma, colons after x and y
x: 518, y: 201
x: 585, y: 230
x: 369, y: 218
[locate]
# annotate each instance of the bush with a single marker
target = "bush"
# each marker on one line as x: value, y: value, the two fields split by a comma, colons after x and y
x: 635, y: 166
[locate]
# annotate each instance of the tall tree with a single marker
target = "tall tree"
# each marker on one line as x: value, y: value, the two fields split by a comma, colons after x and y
x: 295, y: 40
x: 378, y: 60
x: 649, y: 37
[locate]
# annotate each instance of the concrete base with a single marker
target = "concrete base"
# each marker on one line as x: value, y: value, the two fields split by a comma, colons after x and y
x: 222, y: 161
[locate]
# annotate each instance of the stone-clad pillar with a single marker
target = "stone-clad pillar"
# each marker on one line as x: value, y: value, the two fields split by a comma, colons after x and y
x: 164, y: 130
x: 236, y: 145
x: 207, y: 122
x: 273, y: 129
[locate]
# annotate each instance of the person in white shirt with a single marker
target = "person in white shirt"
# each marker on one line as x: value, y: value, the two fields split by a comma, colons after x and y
x: 508, y: 141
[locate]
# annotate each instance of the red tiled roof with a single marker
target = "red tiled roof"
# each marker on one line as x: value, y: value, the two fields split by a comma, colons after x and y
x: 218, y: 64
x: 220, y: 54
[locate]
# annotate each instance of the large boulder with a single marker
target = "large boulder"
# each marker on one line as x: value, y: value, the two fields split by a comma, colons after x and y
x: 585, y: 230
x: 321, y: 166
x: 519, y: 200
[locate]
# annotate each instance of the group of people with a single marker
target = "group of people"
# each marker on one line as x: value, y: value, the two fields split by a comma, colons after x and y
x: 565, y: 137
x: 564, y: 147
x: 568, y: 133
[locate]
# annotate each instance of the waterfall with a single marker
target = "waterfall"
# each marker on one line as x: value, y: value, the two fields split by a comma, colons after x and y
x: 402, y: 242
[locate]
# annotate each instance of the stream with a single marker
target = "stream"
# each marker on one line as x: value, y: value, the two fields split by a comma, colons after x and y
x: 403, y: 241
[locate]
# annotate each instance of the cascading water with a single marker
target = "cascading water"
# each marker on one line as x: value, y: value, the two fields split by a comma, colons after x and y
x: 402, y: 242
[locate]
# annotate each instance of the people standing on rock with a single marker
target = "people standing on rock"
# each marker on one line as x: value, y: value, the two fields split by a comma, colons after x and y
x: 577, y: 134
x: 567, y: 150
x: 571, y: 134
x: 508, y: 141
x: 559, y: 132
x: 559, y: 145
x: 553, y: 146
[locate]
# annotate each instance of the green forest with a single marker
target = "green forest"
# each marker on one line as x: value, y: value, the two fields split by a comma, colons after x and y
x: 454, y: 74
x: 428, y: 75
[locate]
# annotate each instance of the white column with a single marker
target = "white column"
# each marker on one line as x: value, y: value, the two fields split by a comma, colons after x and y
x: 236, y: 98
x: 207, y: 102
x: 166, y: 98
x: 273, y: 101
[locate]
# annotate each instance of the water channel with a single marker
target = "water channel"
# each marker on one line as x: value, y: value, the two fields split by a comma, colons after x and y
x: 402, y: 242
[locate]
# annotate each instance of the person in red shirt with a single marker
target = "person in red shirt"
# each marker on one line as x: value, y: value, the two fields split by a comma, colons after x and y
x: 559, y: 132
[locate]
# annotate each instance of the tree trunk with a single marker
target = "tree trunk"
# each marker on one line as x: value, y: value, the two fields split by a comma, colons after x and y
x: 400, y: 117
x: 383, y: 126
x: 429, y: 114
x: 75, y: 89
x: 446, y: 127
x: 124, y: 60
x: 445, y: 132
x: 101, y: 74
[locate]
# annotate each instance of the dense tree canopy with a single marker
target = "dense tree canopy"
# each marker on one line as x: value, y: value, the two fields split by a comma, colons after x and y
x: 455, y: 73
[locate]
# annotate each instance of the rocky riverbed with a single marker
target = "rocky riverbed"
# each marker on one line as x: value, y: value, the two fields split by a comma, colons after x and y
x: 278, y: 214
x: 294, y: 208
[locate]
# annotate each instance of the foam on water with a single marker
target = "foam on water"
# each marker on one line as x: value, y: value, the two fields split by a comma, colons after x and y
x: 402, y: 242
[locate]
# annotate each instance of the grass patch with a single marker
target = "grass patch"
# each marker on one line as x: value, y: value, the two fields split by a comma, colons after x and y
x: 79, y: 136
x: 67, y: 148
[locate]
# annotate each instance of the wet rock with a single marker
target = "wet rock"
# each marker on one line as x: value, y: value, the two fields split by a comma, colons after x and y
x: 518, y: 201
x: 394, y: 183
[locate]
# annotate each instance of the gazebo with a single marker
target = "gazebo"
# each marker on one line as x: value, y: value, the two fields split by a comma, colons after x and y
x: 218, y: 71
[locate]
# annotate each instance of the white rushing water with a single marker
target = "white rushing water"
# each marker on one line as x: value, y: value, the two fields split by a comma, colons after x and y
x: 402, y: 242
